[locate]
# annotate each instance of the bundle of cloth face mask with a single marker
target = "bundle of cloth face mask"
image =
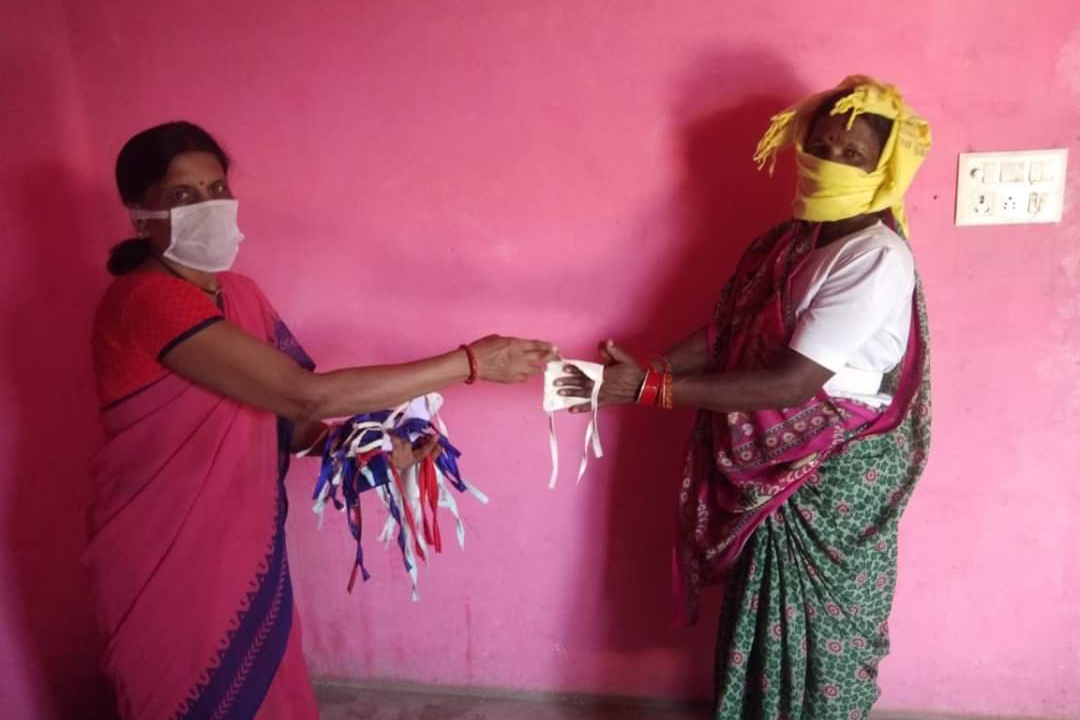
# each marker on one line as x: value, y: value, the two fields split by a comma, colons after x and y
x: 357, y: 458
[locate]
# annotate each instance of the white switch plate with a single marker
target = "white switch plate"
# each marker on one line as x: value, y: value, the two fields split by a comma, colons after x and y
x: 1009, y: 188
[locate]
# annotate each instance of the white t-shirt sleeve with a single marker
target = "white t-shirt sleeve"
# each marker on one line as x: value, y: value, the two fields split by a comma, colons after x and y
x: 858, y: 296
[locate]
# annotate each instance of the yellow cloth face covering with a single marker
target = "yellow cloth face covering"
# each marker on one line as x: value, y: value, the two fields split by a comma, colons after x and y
x: 829, y: 191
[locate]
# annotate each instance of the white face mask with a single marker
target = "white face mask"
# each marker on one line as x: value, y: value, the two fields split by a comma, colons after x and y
x: 553, y: 402
x: 204, y: 236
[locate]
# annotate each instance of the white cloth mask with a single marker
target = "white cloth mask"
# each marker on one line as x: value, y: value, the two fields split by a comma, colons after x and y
x: 203, y: 236
x: 554, y: 402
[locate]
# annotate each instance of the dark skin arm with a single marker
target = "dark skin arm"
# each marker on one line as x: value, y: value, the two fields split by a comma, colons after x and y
x: 690, y: 356
x: 225, y: 359
x: 228, y: 360
x: 790, y: 382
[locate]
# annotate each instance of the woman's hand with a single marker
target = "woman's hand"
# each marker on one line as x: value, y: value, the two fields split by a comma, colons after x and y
x: 622, y: 379
x: 309, y: 438
x: 511, y: 360
x: 406, y: 455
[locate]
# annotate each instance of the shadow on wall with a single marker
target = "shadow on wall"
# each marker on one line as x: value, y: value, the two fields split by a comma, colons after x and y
x: 722, y: 203
x: 57, y: 279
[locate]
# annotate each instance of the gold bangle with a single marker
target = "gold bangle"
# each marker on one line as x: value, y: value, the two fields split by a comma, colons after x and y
x: 641, y: 389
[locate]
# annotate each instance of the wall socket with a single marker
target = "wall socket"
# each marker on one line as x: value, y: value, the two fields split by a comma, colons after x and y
x: 1008, y: 188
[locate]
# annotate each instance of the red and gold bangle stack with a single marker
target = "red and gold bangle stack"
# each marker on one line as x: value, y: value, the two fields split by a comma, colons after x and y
x: 666, y: 401
x: 656, y: 387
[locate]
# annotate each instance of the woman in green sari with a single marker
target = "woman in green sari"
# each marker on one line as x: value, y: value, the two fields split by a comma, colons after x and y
x: 812, y: 382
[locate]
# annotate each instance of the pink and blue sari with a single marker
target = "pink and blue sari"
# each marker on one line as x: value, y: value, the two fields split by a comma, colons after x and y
x: 187, y: 547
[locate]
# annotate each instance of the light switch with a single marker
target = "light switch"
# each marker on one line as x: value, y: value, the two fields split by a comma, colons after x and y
x: 1033, y: 203
x: 1013, y: 171
x: 1001, y: 188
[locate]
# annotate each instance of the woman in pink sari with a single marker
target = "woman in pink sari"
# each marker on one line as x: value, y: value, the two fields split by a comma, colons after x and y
x: 205, y: 393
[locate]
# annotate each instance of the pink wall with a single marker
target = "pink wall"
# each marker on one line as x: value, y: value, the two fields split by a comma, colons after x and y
x: 55, y: 216
x: 567, y: 170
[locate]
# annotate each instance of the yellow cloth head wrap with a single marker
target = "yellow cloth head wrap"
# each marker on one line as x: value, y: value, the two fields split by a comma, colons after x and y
x: 833, y: 191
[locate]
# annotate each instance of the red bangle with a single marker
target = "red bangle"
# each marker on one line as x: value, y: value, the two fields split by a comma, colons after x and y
x: 650, y: 387
x: 473, y: 369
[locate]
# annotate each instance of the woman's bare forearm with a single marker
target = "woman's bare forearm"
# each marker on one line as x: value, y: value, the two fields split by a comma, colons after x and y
x: 367, y: 389
x: 739, y: 391
x: 691, y: 355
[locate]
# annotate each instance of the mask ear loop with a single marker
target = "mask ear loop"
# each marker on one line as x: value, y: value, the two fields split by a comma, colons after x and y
x: 140, y: 214
x: 592, y: 432
x: 554, y: 444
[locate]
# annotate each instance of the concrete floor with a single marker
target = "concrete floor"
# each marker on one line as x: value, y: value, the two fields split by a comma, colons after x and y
x: 345, y: 702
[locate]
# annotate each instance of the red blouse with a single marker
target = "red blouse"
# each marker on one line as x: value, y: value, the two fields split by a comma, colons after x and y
x: 142, y: 316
